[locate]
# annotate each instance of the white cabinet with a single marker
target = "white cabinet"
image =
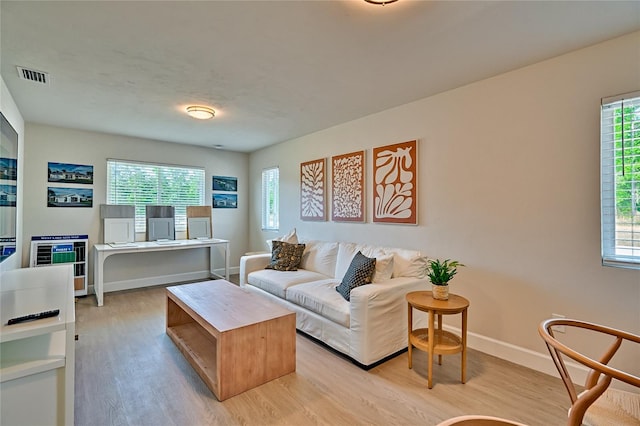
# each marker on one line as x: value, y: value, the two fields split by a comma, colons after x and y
x: 54, y: 249
x: 37, y: 358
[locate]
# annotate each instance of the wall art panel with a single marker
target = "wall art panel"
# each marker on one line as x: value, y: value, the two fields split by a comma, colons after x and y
x: 395, y: 178
x: 347, y: 187
x: 312, y: 190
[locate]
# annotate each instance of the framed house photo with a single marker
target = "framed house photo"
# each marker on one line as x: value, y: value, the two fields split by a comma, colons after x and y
x: 70, y: 173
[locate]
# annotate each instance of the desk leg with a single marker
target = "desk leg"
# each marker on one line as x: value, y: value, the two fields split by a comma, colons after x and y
x: 430, y: 354
x: 227, y: 255
x: 464, y: 345
x: 409, y: 329
x: 98, y: 276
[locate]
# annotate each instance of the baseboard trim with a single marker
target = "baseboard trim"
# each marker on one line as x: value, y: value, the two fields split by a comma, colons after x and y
x: 519, y: 355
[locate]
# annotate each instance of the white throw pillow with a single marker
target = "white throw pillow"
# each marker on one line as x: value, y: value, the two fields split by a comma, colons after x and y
x: 384, y: 268
x: 320, y: 256
x: 291, y: 238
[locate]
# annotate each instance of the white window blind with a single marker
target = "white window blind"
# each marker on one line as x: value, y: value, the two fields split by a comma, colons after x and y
x: 271, y: 198
x: 142, y: 184
x: 620, y: 180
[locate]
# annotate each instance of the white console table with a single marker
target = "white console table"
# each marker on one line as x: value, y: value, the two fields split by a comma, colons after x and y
x: 37, y: 358
x: 102, y: 251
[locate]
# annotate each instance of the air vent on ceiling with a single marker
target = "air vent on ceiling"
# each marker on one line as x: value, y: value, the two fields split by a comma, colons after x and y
x: 33, y: 75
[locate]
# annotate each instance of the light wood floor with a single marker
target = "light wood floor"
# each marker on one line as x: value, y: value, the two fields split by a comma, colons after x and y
x: 128, y: 372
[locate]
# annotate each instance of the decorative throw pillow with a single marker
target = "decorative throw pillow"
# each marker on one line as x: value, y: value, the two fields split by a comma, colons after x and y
x: 285, y: 256
x: 360, y: 272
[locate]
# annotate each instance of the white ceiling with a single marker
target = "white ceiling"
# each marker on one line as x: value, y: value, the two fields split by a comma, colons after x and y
x: 273, y: 70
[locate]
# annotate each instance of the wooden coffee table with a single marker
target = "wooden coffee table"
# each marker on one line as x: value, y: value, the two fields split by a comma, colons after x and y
x: 234, y: 339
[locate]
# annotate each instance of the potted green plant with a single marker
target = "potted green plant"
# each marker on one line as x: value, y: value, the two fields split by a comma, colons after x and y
x: 440, y: 273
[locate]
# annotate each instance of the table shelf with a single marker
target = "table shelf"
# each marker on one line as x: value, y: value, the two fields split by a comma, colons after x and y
x: 445, y: 342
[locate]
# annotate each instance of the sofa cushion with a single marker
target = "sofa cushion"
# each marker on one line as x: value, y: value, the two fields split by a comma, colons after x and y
x: 277, y: 282
x: 384, y: 268
x: 408, y: 263
x: 359, y: 273
x: 320, y: 256
x: 285, y: 256
x: 291, y: 237
x: 346, y: 252
x: 321, y: 297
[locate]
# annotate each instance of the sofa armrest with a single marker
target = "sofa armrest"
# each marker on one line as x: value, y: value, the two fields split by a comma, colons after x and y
x: 252, y: 263
x: 379, y: 316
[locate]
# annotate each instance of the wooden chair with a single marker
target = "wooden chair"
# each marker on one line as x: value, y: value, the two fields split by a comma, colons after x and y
x: 597, y: 404
x: 475, y: 420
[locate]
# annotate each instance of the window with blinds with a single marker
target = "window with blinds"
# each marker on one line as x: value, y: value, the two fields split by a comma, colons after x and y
x: 270, y: 199
x: 142, y: 184
x: 620, y: 180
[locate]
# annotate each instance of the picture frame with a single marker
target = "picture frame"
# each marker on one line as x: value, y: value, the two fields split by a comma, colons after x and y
x: 224, y: 183
x: 313, y: 190
x: 347, y: 187
x: 225, y: 201
x: 69, y: 173
x: 395, y: 182
x: 69, y: 197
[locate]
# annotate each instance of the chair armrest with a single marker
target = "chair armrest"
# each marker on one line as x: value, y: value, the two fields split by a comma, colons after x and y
x: 252, y: 263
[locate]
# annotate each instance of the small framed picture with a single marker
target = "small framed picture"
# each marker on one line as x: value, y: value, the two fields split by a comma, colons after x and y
x: 70, y: 173
x: 225, y: 183
x: 225, y: 201
x: 69, y: 197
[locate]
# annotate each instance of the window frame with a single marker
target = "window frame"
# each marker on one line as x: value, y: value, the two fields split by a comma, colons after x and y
x: 620, y: 157
x: 270, y: 211
x: 140, y: 207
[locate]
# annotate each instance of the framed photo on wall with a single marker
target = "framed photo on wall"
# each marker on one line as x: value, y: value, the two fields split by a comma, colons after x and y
x: 312, y: 190
x: 347, y: 187
x: 395, y: 180
x: 225, y: 183
x: 70, y: 173
x: 225, y: 201
x: 69, y: 197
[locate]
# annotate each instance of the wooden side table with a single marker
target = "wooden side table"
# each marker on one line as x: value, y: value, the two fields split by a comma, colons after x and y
x: 436, y: 341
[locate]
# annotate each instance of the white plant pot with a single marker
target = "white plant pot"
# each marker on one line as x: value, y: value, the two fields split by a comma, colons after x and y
x: 440, y: 292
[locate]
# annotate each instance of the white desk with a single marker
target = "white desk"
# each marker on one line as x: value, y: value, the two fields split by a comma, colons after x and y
x: 102, y: 251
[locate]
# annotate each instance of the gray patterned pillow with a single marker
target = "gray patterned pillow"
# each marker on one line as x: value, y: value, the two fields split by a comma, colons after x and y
x: 285, y: 256
x: 360, y: 272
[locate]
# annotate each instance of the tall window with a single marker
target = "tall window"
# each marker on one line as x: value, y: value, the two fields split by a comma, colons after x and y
x: 620, y: 180
x: 271, y: 198
x: 142, y: 184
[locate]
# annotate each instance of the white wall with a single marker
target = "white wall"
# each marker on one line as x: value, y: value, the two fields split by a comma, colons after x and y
x: 508, y: 184
x: 46, y: 143
x: 12, y: 114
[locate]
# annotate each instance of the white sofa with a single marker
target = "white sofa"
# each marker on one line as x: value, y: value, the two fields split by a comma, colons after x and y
x: 369, y: 328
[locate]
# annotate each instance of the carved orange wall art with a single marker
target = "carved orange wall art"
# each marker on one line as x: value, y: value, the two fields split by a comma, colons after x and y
x: 347, y: 187
x: 312, y: 190
x: 395, y: 174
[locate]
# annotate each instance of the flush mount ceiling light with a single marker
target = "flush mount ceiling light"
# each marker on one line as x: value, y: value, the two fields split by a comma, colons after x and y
x: 382, y: 2
x: 201, y: 112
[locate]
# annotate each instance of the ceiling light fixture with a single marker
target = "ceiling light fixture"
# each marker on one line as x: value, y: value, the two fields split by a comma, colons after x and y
x: 201, y: 112
x: 382, y: 2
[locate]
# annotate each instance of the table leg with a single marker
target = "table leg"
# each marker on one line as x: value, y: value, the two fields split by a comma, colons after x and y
x: 464, y: 345
x: 439, y: 331
x: 409, y: 329
x: 430, y: 354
